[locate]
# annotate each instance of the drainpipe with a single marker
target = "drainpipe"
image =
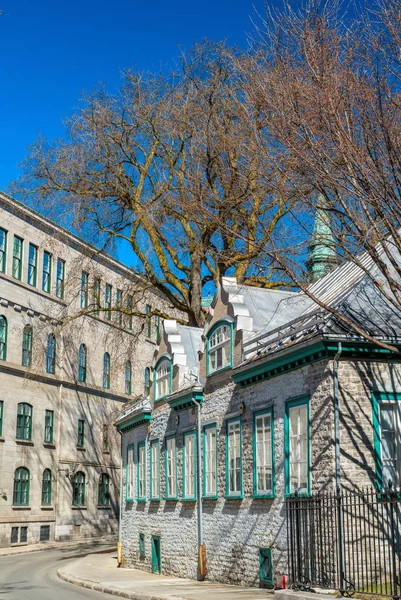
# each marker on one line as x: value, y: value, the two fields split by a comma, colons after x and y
x: 202, y: 549
x: 338, y: 466
x: 120, y: 508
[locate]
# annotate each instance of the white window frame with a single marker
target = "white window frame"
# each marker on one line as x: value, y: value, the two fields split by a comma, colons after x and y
x: 130, y: 472
x: 189, y: 466
x: 218, y: 343
x: 396, y: 431
x: 234, y: 458
x: 297, y: 459
x: 210, y: 460
x: 171, y: 468
x: 263, y: 453
x: 163, y: 378
x: 142, y: 471
x: 155, y: 470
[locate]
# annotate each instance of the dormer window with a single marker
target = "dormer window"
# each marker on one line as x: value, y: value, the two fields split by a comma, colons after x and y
x: 219, y: 348
x: 163, y: 378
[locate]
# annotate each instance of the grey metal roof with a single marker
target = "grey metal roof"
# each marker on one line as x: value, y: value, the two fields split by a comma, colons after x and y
x: 271, y: 307
x: 191, y: 339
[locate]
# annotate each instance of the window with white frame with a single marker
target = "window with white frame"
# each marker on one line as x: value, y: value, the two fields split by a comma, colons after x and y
x: 171, y: 468
x: 155, y: 469
x: 130, y: 473
x: 141, y: 471
x: 263, y: 453
x: 234, y: 458
x: 210, y: 450
x: 189, y: 466
x: 219, y: 348
x: 163, y: 378
x: 390, y: 438
x: 298, y: 455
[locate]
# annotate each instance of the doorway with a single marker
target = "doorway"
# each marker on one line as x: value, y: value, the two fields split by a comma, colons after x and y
x: 156, y: 558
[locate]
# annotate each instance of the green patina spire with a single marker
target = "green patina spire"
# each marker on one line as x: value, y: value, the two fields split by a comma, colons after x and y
x: 322, y: 248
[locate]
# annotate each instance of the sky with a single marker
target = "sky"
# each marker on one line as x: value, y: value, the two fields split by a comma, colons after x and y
x: 51, y: 51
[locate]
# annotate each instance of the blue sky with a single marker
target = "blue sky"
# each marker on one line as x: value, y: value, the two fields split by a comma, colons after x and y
x: 51, y: 51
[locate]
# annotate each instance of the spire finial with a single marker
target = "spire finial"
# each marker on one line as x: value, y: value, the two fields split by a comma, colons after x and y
x: 322, y: 248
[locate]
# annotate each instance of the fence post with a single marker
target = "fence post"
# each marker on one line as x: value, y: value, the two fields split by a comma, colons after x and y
x: 340, y: 538
x: 392, y: 497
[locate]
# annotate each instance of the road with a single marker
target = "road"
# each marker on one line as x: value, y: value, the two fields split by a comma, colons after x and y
x: 33, y: 575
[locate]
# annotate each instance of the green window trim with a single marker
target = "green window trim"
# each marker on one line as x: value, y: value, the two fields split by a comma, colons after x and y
x: 3, y: 249
x: 228, y: 323
x: 106, y: 371
x: 128, y: 378
x: 22, y: 480
x: 60, y: 277
x: 164, y: 357
x: 119, y: 304
x: 49, y: 426
x: 27, y: 339
x: 3, y: 337
x: 377, y: 399
x: 78, y: 489
x: 47, y: 488
x: 82, y: 363
x: 108, y: 296
x: 18, y: 252
x: 84, y: 293
x: 1, y: 416
x: 292, y: 403
x: 103, y: 495
x: 206, y: 428
x: 129, y: 497
x: 185, y: 496
x: 148, y: 310
x: 32, y: 264
x: 240, y: 493
x: 266, y: 573
x: 141, y: 465
x: 129, y: 318
x: 256, y: 493
x: 142, y: 552
x: 81, y: 434
x: 24, y: 421
x: 170, y: 496
x: 153, y: 444
x: 51, y: 354
x: 47, y: 272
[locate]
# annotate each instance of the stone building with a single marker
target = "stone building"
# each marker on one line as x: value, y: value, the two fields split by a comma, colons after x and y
x: 262, y: 395
x: 64, y: 379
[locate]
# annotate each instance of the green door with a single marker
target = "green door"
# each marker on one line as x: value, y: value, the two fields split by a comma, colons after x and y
x: 156, y: 560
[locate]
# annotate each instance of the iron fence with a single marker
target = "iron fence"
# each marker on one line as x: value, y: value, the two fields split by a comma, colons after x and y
x: 347, y: 541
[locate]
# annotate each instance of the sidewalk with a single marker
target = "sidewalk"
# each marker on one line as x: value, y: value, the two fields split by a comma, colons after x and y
x: 87, y: 542
x: 99, y: 572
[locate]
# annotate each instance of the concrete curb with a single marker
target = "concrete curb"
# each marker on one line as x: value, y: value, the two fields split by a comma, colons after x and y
x: 55, y: 546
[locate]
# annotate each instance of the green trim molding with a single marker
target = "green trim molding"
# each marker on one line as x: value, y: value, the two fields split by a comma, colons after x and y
x: 256, y: 494
x: 144, y: 416
x: 184, y: 399
x: 291, y: 403
x: 240, y: 494
x: 223, y: 321
x: 205, y: 495
x: 377, y: 399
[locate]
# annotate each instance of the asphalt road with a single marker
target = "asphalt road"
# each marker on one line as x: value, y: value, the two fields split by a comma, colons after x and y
x: 33, y: 575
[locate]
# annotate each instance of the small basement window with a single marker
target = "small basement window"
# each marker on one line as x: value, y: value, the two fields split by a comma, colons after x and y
x: 266, y: 567
x: 44, y: 533
x: 142, y: 552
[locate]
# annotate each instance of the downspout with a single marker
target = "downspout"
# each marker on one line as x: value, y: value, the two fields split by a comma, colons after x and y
x: 338, y: 466
x: 120, y: 508
x: 202, y: 549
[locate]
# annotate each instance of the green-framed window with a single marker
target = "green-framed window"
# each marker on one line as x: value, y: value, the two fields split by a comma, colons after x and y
x: 3, y: 337
x: 51, y: 354
x: 24, y: 421
x: 105, y: 439
x: 18, y: 250
x: 148, y: 325
x: 82, y: 363
x: 129, y: 309
x: 171, y: 463
x: 103, y: 496
x: 97, y: 282
x: 157, y: 328
x: 81, y: 433
x: 119, y: 304
x: 210, y: 461
x: 60, y: 278
x: 27, y: 339
x: 84, y: 294
x: 189, y: 466
x: 32, y: 264
x: 128, y: 377
x: 297, y: 446
x: 387, y: 439
x: 266, y: 567
x: 47, y: 488
x: 49, y: 426
x: 106, y: 371
x: 163, y: 381
x: 1, y: 416
x: 146, y: 381
x: 78, y: 489
x: 142, y: 553
x: 219, y: 347
x: 47, y: 272
x: 3, y: 250
x: 234, y: 487
x: 155, y: 469
x: 21, y: 487
x: 130, y: 474
x: 263, y: 454
x: 142, y: 471
x: 108, y: 293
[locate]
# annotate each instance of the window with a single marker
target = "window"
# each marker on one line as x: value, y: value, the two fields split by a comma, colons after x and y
x: 128, y: 378
x: 32, y: 265
x: 47, y: 488
x: 82, y: 353
x: 81, y: 433
x: 60, y: 277
x: 141, y: 471
x: 1, y: 416
x: 387, y: 439
x: 78, y: 489
x: 219, y: 348
x: 146, y: 384
x: 24, y: 421
x: 23, y: 535
x: 189, y: 469
x: 3, y: 338
x: 171, y: 468
x: 14, y: 535
x: 266, y: 567
x: 119, y: 303
x: 106, y: 371
x: 263, y: 451
x: 163, y: 378
x: 103, y: 497
x: 106, y: 442
x: 96, y: 294
x: 47, y: 272
x: 27, y: 346
x: 129, y: 309
x: 157, y: 329
x: 234, y: 459
x: 155, y: 470
x: 210, y: 460
x: 129, y: 488
x: 51, y: 354
x: 17, y: 257
x: 148, y: 326
x: 3, y: 250
x: 84, y: 296
x: 44, y: 533
x: 297, y: 446
x: 142, y: 553
x: 21, y: 487
x: 49, y: 424
x: 107, y: 300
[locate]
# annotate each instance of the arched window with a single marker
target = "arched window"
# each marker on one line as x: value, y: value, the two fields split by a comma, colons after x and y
x: 106, y: 371
x: 219, y: 348
x: 27, y: 346
x: 24, y: 421
x: 78, y: 489
x: 51, y: 354
x: 146, y: 382
x: 163, y: 378
x: 3, y: 338
x: 128, y: 378
x: 21, y: 487
x: 82, y: 363
x: 47, y: 488
x: 104, y: 490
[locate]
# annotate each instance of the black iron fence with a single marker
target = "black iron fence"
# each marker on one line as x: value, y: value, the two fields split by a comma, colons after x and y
x: 348, y: 541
